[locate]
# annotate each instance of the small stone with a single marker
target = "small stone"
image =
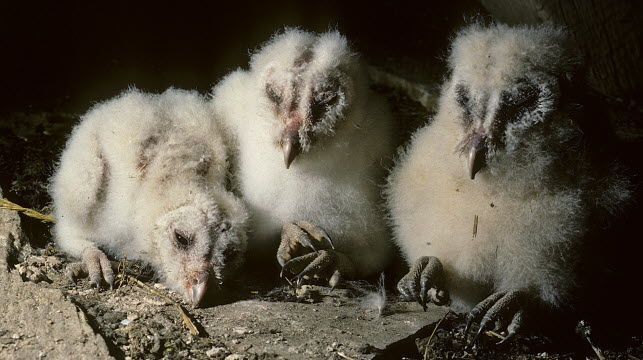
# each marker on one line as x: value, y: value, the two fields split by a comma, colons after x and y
x: 368, y: 349
x: 36, y: 275
x: 234, y: 357
x: 21, y: 268
x: 216, y: 351
x: 36, y: 260
x: 126, y: 322
x: 53, y: 262
x: 153, y: 302
x: 303, y: 291
x: 16, y: 336
x: 241, y: 331
x: 42, y: 354
x: 236, y: 341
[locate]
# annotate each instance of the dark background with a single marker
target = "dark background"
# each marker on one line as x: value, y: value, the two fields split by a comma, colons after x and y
x: 66, y: 57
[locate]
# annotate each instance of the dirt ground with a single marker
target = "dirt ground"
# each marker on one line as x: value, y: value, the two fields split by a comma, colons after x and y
x: 261, y: 317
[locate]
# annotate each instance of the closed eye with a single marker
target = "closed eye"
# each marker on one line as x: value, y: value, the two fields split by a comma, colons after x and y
x: 526, y: 99
x: 464, y: 100
x: 229, y: 253
x: 462, y: 95
x: 322, y: 103
x: 273, y: 95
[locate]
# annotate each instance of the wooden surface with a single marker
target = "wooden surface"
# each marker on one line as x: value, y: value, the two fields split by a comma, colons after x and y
x: 607, y: 32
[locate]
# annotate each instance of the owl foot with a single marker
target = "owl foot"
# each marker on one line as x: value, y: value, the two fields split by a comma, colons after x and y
x: 424, y: 283
x: 498, y: 308
x: 95, y: 264
x: 299, y: 238
x: 307, y: 251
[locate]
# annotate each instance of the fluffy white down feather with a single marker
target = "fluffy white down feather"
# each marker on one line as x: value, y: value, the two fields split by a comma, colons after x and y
x: 139, y: 167
x: 535, y: 198
x: 334, y: 182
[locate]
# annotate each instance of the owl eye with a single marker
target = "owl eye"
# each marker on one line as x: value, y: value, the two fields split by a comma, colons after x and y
x: 229, y: 253
x: 182, y: 241
x: 324, y: 100
x: 224, y: 226
x: 524, y: 98
x: 273, y: 95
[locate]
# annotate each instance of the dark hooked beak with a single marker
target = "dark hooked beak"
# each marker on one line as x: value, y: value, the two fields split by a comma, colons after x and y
x: 197, y: 287
x: 476, y: 158
x: 290, y: 145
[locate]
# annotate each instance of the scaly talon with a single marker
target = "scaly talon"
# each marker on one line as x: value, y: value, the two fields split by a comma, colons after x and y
x: 496, y: 309
x: 424, y: 275
x: 96, y: 265
x: 307, y: 251
x: 297, y: 239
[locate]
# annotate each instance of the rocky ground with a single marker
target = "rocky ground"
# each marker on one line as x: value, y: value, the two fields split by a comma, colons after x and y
x: 47, y: 316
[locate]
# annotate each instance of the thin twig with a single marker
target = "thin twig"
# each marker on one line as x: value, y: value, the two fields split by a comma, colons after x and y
x: 345, y: 356
x: 6, y: 204
x: 562, y: 356
x: 585, y: 330
x: 493, y: 333
x: 426, y: 349
x: 186, y: 319
x: 475, y: 226
x: 427, y: 97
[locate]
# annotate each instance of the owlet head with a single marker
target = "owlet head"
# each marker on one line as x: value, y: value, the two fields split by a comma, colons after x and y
x: 196, y: 243
x: 504, y: 81
x: 306, y: 82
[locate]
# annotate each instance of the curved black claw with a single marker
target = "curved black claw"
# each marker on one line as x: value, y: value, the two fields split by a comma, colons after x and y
x: 425, y: 275
x: 514, y: 327
x: 497, y: 308
x: 327, y: 264
x: 301, y: 237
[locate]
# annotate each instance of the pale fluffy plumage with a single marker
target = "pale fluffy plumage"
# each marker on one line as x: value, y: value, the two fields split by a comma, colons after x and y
x: 538, y: 189
x: 140, y: 167
x: 343, y: 130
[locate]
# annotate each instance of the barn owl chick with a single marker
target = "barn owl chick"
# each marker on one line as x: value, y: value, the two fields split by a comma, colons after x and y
x: 144, y: 177
x: 310, y: 138
x: 493, y: 201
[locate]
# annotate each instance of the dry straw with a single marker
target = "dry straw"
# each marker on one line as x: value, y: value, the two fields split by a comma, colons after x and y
x: 6, y: 204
